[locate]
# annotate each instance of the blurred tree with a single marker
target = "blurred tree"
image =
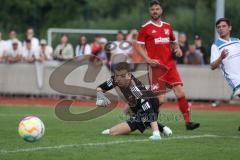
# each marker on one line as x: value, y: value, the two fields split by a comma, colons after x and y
x: 197, y: 16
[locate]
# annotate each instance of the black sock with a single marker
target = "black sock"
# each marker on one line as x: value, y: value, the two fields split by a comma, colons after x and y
x: 160, y: 127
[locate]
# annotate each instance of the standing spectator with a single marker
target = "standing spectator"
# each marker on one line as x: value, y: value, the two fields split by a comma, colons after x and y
x: 120, y: 49
x: 200, y: 48
x: 12, y: 36
x: 14, y: 54
x: 30, y: 54
x: 129, y: 36
x: 95, y: 46
x: 45, y: 51
x: 182, y: 41
x: 102, y: 54
x: 83, y: 48
x: 34, y: 40
x: 64, y: 51
x: 2, y: 48
x: 193, y: 56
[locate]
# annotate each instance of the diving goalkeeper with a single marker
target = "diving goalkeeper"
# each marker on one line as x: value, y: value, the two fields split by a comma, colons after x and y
x: 142, y: 104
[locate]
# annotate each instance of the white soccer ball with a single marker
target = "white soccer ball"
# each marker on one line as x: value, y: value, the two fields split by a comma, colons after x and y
x: 31, y: 129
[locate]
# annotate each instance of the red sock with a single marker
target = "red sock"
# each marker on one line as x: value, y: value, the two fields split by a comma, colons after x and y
x: 184, y: 108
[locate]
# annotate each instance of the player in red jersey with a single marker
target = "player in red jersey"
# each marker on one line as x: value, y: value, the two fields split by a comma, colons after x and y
x: 155, y: 43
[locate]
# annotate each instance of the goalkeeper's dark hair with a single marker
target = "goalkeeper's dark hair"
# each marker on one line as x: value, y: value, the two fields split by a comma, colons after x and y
x: 122, y: 66
x: 223, y: 20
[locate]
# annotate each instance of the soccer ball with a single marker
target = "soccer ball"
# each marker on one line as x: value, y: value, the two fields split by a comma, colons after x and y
x: 31, y: 129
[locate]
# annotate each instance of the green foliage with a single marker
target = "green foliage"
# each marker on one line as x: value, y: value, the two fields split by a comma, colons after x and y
x: 196, y: 16
x: 233, y: 8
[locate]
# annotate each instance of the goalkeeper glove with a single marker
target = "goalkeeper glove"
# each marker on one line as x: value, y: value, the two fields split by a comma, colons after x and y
x: 102, y: 100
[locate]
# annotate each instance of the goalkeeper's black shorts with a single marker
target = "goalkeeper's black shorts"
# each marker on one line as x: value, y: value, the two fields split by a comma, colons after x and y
x: 146, y: 114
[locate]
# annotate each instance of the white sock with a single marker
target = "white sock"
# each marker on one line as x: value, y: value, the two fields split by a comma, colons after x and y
x: 107, y: 131
x: 156, y: 133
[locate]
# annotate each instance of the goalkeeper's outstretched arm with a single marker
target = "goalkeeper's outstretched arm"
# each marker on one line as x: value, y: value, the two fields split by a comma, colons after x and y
x: 102, y: 100
x: 106, y: 86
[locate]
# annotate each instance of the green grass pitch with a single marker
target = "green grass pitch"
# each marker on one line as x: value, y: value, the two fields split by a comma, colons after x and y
x: 217, y: 138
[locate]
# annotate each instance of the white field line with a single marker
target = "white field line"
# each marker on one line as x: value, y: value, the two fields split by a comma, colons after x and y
x: 109, y: 143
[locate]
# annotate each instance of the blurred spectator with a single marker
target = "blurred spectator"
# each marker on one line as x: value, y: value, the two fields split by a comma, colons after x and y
x: 182, y: 41
x: 30, y: 54
x: 12, y: 36
x: 201, y: 49
x: 129, y: 36
x: 64, y: 51
x: 95, y: 46
x: 34, y: 40
x: 14, y: 53
x: 2, y: 48
x: 83, y: 48
x: 193, y: 56
x: 102, y: 54
x: 120, y: 49
x: 45, y: 51
x: 135, y: 57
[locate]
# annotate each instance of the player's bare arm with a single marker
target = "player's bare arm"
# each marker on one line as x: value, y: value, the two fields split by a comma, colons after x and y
x: 177, y: 50
x: 142, y: 51
x: 216, y: 63
x: 100, y: 89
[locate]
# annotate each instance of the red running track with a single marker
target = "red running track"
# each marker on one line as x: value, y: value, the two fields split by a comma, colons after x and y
x: 53, y: 102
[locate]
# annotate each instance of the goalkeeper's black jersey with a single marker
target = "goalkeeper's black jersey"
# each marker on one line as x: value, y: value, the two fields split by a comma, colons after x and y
x: 136, y: 93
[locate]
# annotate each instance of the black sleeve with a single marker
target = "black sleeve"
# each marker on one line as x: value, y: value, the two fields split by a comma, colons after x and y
x: 108, y: 85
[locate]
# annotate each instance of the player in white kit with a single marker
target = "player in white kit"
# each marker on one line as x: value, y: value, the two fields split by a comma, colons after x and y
x: 225, y: 52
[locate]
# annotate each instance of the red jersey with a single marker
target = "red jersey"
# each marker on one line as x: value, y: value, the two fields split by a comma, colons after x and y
x: 157, y: 40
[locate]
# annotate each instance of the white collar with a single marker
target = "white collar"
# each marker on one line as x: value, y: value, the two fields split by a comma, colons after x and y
x: 157, y: 25
x: 225, y: 40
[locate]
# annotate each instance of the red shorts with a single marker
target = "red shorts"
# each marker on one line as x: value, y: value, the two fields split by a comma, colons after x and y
x: 162, y: 78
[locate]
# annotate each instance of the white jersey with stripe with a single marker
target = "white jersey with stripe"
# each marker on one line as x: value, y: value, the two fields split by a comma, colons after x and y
x: 230, y: 66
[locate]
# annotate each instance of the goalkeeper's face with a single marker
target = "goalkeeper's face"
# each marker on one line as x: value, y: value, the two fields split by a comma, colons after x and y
x: 122, y: 78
